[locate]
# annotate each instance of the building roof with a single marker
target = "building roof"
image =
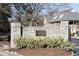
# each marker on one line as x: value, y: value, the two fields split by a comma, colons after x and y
x: 61, y: 16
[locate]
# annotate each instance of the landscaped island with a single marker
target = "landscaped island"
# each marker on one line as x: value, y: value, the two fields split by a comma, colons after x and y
x: 43, y: 46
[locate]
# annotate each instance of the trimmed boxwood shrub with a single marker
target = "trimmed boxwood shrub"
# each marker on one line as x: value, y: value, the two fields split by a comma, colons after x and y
x: 44, y: 42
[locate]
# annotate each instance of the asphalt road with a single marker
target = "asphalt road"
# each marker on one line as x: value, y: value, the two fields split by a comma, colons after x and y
x: 76, y: 43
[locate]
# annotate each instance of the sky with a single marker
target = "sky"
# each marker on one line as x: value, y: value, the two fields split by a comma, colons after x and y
x: 75, y: 6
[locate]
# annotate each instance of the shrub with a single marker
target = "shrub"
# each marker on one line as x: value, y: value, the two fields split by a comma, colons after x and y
x: 43, y: 42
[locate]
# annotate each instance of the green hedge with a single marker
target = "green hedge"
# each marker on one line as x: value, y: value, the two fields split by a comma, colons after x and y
x: 44, y: 42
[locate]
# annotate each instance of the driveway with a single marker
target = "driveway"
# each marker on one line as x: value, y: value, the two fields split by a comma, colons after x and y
x: 76, y: 43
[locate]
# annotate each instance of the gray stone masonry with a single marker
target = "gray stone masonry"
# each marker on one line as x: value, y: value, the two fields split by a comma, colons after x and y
x: 64, y: 29
x: 56, y: 31
x: 15, y: 32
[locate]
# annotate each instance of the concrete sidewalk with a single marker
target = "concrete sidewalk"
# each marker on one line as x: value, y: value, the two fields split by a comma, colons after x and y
x: 4, y: 52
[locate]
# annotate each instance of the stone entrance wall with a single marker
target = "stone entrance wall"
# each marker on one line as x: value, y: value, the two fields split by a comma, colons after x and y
x: 15, y: 32
x: 50, y: 31
x: 58, y: 30
x: 65, y: 29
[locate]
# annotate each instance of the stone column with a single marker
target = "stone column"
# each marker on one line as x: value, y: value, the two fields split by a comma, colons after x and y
x: 65, y: 29
x: 15, y: 32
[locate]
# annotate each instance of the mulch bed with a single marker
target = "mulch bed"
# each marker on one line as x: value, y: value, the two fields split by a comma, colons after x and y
x: 41, y: 52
